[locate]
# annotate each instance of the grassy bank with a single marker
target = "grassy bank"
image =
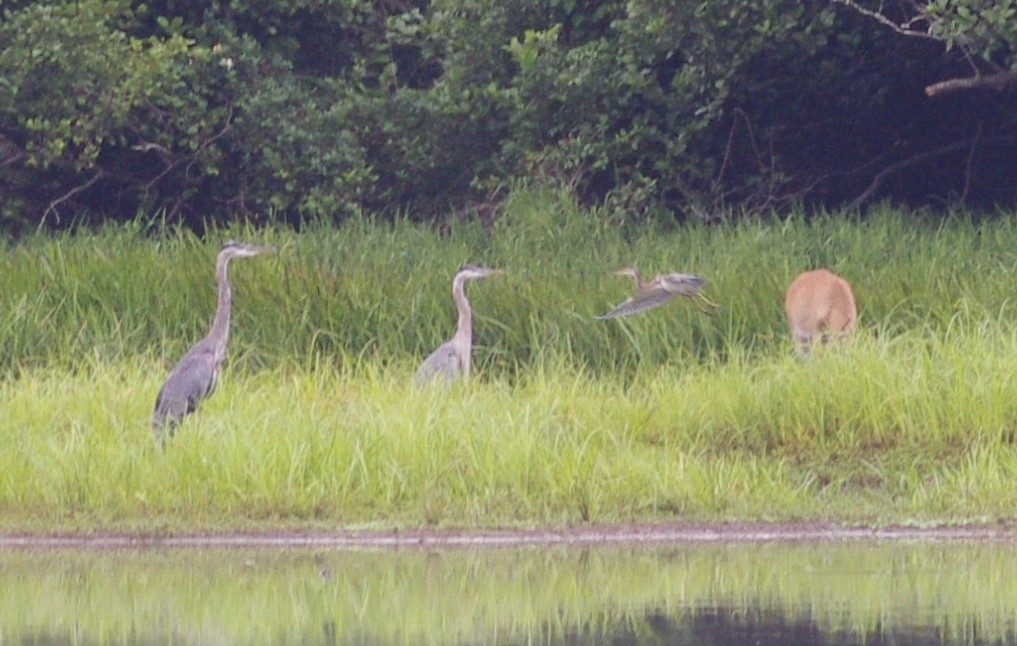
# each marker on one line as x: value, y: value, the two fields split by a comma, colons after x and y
x: 670, y: 415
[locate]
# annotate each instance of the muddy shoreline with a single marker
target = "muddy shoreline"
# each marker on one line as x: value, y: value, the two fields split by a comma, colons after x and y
x: 417, y: 538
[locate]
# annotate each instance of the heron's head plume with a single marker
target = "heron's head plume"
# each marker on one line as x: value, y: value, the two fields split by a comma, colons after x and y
x: 629, y: 271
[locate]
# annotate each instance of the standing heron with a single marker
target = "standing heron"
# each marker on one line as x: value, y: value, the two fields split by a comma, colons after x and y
x: 195, y: 375
x: 659, y: 290
x: 452, y: 358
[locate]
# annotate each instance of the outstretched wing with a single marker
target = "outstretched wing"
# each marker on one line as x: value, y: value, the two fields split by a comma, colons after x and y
x: 639, y: 303
x: 684, y: 284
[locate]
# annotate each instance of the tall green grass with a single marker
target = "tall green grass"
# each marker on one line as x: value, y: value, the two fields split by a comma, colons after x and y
x: 671, y: 414
x: 381, y: 291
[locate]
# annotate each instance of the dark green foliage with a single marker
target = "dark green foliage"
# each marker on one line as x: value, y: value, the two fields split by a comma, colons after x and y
x: 326, y: 109
x: 112, y: 108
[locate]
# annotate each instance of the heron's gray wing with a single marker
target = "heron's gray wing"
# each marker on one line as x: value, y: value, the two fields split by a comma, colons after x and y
x: 443, y: 362
x: 639, y: 303
x: 190, y: 381
x: 684, y: 284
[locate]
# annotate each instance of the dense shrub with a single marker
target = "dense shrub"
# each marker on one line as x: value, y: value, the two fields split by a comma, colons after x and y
x: 327, y: 108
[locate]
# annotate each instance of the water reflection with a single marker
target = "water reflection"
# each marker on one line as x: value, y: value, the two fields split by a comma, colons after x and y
x: 691, y: 594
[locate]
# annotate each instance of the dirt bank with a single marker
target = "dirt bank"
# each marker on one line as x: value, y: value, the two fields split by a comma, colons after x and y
x: 673, y: 533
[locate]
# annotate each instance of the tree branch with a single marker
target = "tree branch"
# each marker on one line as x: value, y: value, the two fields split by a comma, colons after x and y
x: 10, y: 152
x: 52, y: 208
x: 881, y: 18
x: 970, y: 163
x: 999, y: 82
x: 170, y: 162
x: 923, y: 156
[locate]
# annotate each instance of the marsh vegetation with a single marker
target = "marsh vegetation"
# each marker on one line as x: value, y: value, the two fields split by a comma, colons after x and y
x: 671, y: 414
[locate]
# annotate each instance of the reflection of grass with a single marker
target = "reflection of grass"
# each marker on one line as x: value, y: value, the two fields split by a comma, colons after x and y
x: 956, y: 592
x: 671, y: 414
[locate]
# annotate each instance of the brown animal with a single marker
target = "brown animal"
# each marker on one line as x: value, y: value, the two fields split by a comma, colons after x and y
x: 820, y: 305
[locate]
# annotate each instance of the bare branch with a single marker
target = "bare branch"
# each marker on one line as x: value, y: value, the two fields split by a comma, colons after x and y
x: 970, y: 163
x: 999, y: 82
x: 208, y: 142
x: 881, y: 176
x: 12, y: 159
x: 52, y: 208
x: 906, y: 29
x: 151, y: 146
x: 171, y: 162
x: 10, y: 152
x: 924, y: 156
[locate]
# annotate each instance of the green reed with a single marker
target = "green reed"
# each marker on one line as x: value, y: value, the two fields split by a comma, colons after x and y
x: 670, y: 414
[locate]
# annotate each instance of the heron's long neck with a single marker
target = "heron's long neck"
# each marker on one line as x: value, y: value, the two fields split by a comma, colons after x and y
x: 464, y: 330
x: 220, y: 331
x: 640, y: 283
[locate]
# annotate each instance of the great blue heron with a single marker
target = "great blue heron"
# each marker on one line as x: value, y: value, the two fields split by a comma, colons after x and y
x: 194, y: 377
x: 659, y: 290
x: 452, y: 359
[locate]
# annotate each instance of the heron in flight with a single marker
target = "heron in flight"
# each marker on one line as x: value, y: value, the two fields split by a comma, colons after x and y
x: 659, y: 290
x: 452, y: 358
x: 195, y: 375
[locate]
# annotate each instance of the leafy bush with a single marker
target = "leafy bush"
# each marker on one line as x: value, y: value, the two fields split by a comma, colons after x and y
x: 110, y: 108
x: 325, y: 109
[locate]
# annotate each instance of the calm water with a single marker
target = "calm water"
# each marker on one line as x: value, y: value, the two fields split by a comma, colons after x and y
x: 839, y: 593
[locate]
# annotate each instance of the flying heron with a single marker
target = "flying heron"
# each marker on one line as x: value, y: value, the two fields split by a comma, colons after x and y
x: 195, y: 375
x: 659, y: 290
x: 452, y: 358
